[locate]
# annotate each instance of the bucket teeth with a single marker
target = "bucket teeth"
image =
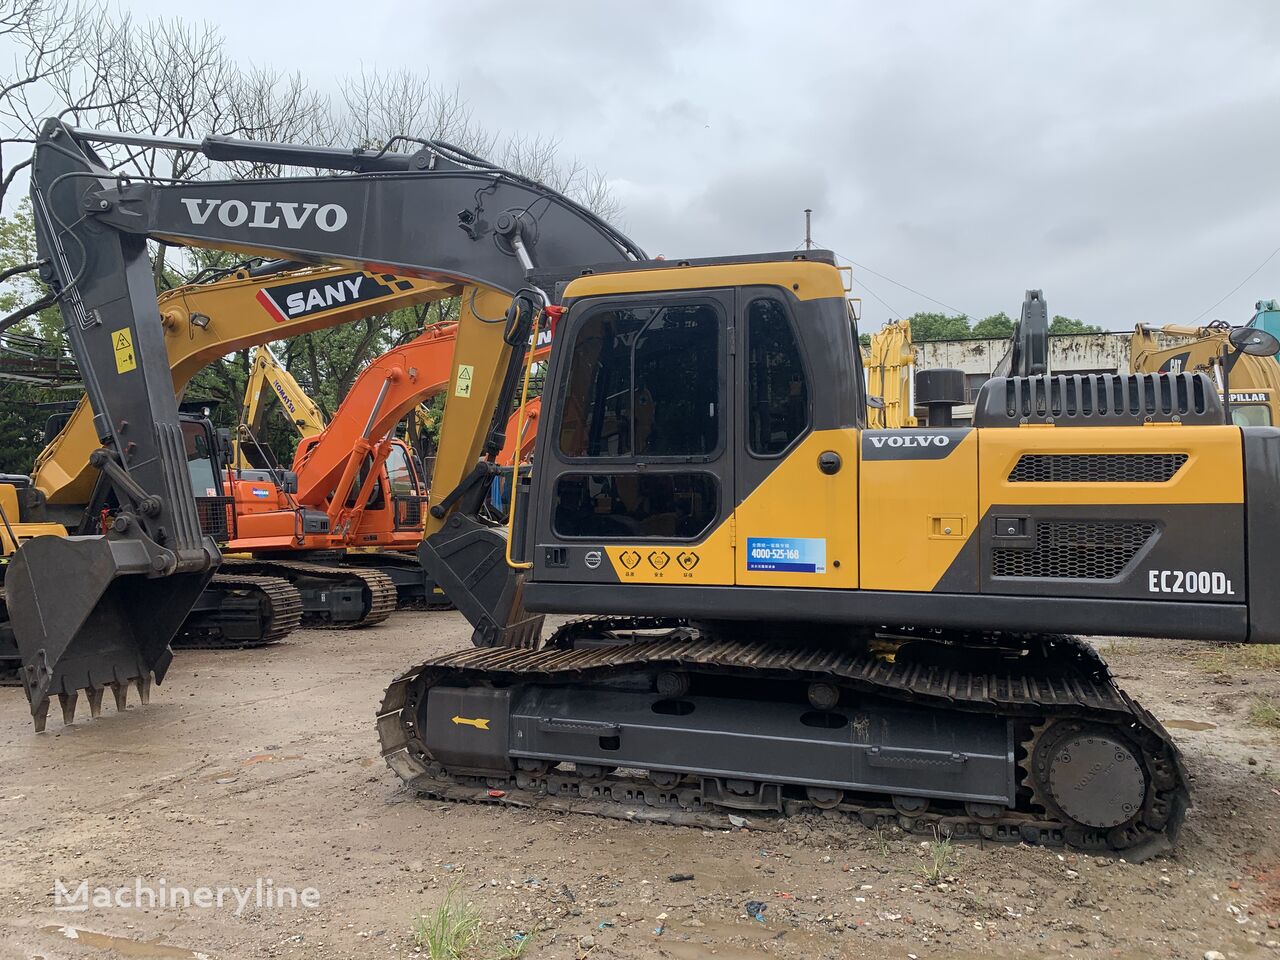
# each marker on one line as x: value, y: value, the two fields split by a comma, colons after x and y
x: 67, y: 701
x: 40, y: 714
x: 95, y: 701
x: 120, y: 690
x: 144, y: 688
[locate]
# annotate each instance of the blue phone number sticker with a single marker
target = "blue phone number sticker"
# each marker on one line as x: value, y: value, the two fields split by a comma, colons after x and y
x: 787, y: 554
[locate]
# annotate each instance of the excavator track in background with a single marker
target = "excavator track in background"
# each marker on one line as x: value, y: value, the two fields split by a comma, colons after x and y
x: 251, y: 612
x: 339, y: 598
x: 415, y: 590
x: 1052, y: 720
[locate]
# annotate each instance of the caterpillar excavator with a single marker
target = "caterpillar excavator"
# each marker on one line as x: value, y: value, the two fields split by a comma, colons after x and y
x: 1250, y: 384
x: 782, y: 610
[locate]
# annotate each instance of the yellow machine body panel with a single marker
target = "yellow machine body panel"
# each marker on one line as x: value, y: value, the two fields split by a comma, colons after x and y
x: 916, y: 514
x: 1212, y: 472
x: 806, y: 280
x: 799, y: 502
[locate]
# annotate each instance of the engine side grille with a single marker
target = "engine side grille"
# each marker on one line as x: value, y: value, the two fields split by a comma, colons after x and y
x: 1075, y: 550
x: 1097, y: 467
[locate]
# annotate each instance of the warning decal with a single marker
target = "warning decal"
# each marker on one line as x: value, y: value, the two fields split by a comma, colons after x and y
x: 465, y: 373
x: 122, y: 344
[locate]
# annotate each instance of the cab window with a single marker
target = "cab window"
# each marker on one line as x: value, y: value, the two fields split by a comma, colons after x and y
x: 777, y: 391
x: 1250, y: 415
x: 644, y: 382
x: 635, y: 506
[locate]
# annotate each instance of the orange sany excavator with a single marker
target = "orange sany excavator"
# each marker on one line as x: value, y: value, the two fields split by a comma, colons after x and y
x: 355, y: 495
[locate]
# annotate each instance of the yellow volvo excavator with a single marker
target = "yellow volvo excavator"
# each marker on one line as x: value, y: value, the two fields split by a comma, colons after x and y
x: 791, y: 611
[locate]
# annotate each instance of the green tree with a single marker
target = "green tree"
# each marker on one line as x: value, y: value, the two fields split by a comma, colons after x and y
x: 939, y: 326
x: 997, y: 326
x: 1061, y: 325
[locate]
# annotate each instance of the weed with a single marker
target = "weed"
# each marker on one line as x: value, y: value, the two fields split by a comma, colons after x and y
x: 882, y: 841
x: 453, y: 931
x: 938, y: 857
x: 1264, y: 712
x: 450, y: 931
x: 1121, y: 647
x: 1238, y: 657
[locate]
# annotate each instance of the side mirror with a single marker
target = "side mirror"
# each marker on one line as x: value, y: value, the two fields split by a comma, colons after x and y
x: 1255, y: 342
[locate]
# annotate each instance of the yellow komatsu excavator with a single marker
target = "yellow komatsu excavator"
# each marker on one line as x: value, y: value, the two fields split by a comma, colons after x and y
x: 787, y: 611
x: 1250, y: 385
x: 268, y: 377
x: 890, y: 366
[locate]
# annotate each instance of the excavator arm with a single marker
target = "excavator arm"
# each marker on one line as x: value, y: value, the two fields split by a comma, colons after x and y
x: 266, y: 373
x: 438, y: 214
x: 201, y: 322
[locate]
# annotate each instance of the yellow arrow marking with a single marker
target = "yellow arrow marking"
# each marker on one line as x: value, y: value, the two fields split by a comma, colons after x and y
x: 480, y: 723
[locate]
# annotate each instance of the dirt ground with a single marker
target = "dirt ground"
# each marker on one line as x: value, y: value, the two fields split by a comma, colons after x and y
x: 263, y: 764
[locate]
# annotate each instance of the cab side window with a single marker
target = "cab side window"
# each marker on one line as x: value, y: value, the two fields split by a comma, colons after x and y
x: 777, y: 390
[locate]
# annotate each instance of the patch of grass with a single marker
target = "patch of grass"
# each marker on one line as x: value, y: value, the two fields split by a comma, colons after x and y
x: 938, y: 857
x: 450, y: 931
x: 454, y: 931
x: 882, y: 841
x: 1238, y: 657
x: 1265, y: 712
x: 1121, y: 647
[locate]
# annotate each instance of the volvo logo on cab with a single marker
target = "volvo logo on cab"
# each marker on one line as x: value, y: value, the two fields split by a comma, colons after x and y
x: 911, y: 440
x: 267, y: 214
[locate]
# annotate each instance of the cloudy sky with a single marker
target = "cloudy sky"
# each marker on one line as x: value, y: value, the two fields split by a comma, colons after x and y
x: 1123, y: 157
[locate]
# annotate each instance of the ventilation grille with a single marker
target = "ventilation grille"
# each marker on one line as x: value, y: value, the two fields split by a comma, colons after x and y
x: 1097, y: 467
x: 1076, y: 550
x: 1098, y: 399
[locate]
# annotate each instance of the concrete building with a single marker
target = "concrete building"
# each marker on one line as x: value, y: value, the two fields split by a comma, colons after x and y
x: 1071, y: 353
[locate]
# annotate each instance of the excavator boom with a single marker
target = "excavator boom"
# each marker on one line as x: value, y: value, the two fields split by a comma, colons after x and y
x: 92, y: 611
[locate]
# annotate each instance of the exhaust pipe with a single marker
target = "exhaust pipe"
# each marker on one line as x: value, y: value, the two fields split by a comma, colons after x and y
x: 94, y: 613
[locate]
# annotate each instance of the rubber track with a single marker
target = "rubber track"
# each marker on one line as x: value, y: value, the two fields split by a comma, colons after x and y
x: 1075, y: 684
x: 284, y: 617
x: 382, y: 589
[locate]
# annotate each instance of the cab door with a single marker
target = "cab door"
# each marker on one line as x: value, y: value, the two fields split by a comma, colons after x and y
x: 634, y: 476
x: 796, y: 478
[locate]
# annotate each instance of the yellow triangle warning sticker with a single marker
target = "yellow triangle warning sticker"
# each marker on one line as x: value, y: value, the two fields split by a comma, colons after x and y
x: 122, y: 344
x: 466, y: 372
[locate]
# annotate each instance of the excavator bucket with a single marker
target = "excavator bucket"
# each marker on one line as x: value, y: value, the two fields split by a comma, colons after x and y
x: 468, y: 561
x: 86, y: 616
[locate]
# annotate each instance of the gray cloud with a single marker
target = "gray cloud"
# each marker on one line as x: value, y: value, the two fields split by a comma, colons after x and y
x: 1122, y: 156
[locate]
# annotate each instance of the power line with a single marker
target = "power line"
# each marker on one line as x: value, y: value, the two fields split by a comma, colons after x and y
x: 863, y: 285
x: 1240, y: 284
x: 925, y: 296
